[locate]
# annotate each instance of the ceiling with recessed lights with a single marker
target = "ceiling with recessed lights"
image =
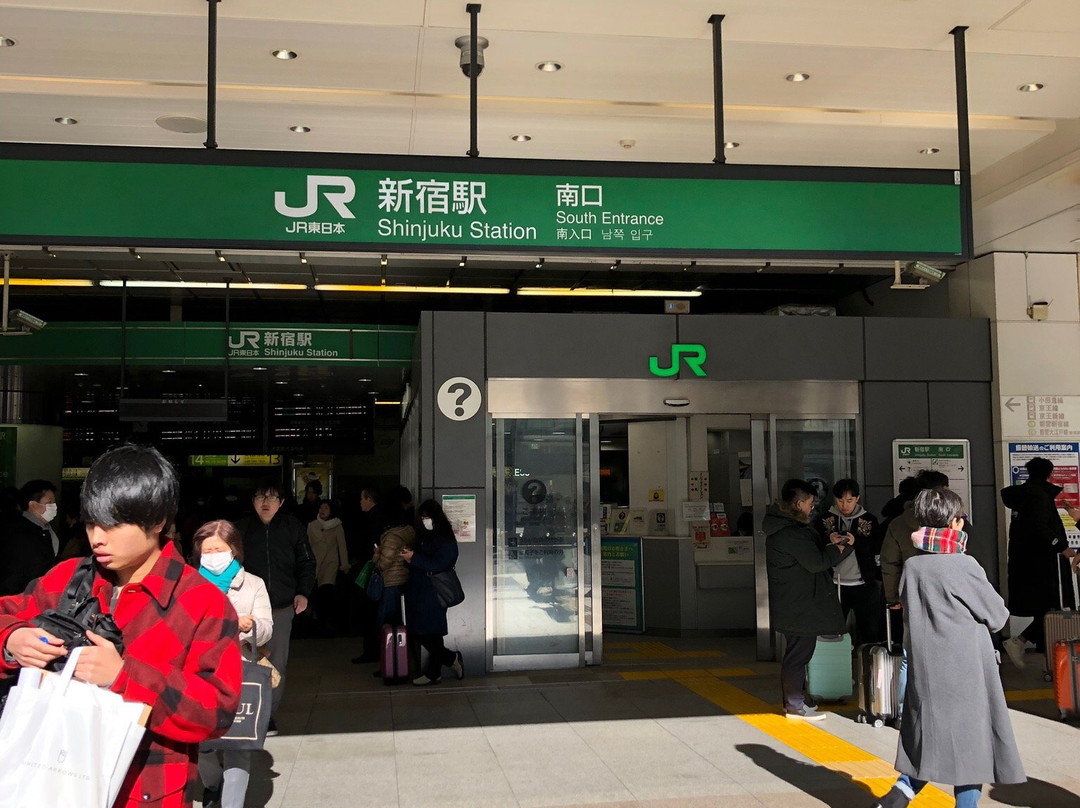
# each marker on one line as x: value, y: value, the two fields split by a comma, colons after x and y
x: 818, y: 82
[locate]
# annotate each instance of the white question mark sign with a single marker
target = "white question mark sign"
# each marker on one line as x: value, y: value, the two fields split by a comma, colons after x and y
x: 459, y: 398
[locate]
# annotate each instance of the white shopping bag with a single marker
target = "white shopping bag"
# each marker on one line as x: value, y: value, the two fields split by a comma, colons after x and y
x: 65, y: 743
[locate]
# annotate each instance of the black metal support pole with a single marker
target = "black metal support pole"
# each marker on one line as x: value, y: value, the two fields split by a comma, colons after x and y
x: 963, y: 138
x: 718, y: 86
x: 211, y: 76
x: 123, y: 339
x: 228, y: 324
x: 473, y: 10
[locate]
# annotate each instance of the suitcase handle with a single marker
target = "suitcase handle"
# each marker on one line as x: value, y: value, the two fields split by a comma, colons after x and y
x: 1061, y: 590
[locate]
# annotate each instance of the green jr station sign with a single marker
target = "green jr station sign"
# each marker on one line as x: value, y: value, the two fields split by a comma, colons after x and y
x: 237, y: 199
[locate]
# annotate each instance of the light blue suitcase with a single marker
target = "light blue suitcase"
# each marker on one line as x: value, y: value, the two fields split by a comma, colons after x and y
x: 829, y: 676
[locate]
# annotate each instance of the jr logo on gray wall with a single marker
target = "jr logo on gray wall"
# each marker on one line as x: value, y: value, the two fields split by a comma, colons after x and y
x: 693, y: 355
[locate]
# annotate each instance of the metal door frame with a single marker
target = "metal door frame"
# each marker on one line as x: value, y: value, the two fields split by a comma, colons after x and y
x: 496, y: 451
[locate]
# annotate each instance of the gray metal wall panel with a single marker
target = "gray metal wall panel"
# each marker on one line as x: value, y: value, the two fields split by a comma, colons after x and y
x: 899, y: 348
x: 874, y: 497
x: 963, y: 410
x: 458, y: 446
x: 426, y: 400
x: 466, y: 621
x: 770, y: 347
x: 546, y: 346
x: 983, y: 534
x: 890, y: 410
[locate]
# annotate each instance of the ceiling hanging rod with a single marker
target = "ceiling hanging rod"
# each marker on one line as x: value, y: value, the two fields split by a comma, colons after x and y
x: 963, y: 138
x: 718, y: 87
x: 211, y: 75
x: 473, y: 10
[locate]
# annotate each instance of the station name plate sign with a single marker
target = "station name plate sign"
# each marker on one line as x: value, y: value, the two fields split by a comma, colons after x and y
x: 748, y: 211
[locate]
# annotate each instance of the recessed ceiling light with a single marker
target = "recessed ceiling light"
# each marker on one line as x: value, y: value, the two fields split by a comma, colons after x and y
x: 548, y: 67
x: 66, y: 121
x: 364, y: 381
x: 168, y: 370
x: 284, y: 55
x: 798, y: 76
x: 260, y: 367
x: 929, y: 150
x: 1030, y: 88
x: 732, y: 144
x: 521, y: 138
x: 281, y: 381
x: 81, y: 373
x: 6, y: 43
x: 300, y: 130
x: 185, y: 124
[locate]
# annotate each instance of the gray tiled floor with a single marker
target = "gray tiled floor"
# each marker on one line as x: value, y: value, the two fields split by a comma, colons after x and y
x: 585, y: 738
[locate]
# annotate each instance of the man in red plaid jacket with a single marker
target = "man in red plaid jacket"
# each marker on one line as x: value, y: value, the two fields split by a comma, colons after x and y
x: 180, y: 633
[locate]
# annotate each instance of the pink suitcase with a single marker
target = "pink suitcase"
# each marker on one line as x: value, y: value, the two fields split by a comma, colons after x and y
x: 395, y: 656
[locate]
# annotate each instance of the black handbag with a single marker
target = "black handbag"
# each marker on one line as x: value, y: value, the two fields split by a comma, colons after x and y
x: 448, y: 589
x: 252, y: 719
x: 77, y: 612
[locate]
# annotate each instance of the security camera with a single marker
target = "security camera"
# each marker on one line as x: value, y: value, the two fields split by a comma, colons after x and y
x: 27, y: 321
x: 464, y: 44
x: 924, y: 271
x: 627, y: 143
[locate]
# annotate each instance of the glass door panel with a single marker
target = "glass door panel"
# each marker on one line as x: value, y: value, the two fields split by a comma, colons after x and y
x: 818, y: 450
x: 539, y: 488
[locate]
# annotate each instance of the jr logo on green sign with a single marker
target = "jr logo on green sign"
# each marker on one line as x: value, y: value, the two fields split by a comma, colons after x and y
x: 693, y: 355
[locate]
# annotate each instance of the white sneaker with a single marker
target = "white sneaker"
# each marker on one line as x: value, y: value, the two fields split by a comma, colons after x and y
x: 1015, y: 647
x: 806, y: 714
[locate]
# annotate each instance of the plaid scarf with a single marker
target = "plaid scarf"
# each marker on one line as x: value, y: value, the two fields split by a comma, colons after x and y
x: 940, y: 540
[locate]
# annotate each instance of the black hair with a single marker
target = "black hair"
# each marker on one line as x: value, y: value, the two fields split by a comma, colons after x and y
x: 795, y: 491
x: 938, y: 507
x: 36, y: 489
x: 370, y: 493
x: 268, y: 485
x: 908, y: 489
x: 315, y: 486
x: 130, y: 485
x: 844, y: 487
x: 1039, y: 468
x: 440, y: 525
x: 927, y: 479
x: 401, y: 495
x: 329, y: 503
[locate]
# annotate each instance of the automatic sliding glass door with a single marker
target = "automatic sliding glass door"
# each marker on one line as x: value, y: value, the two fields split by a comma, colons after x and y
x: 542, y: 566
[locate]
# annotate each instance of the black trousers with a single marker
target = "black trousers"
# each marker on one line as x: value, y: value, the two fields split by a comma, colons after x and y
x: 867, y: 601
x: 438, y: 654
x: 797, y: 654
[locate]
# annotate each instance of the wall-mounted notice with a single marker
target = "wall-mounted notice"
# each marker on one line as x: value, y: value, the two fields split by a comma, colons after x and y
x: 1066, y: 475
x: 951, y: 457
x: 460, y: 509
x: 623, y: 598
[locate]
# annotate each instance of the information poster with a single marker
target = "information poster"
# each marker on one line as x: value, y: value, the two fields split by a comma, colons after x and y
x: 623, y: 598
x: 1066, y: 475
x: 460, y: 509
x: 950, y: 457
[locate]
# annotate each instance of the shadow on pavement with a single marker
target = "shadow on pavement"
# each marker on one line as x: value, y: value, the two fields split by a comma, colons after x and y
x: 1035, y: 794
x: 832, y: 788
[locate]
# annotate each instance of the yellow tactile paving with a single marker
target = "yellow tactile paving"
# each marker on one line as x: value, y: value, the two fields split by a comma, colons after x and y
x: 816, y: 744
x: 648, y: 649
x: 1041, y: 694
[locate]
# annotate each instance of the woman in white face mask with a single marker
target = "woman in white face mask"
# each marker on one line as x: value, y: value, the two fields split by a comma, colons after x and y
x: 218, y: 551
x: 436, y: 551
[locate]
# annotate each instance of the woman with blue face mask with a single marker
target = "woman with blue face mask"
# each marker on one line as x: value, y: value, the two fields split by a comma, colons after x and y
x: 218, y: 551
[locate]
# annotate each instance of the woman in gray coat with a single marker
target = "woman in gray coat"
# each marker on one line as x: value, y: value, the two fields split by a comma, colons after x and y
x: 956, y: 726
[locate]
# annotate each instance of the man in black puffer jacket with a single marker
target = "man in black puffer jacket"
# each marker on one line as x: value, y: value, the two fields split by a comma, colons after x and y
x: 276, y: 549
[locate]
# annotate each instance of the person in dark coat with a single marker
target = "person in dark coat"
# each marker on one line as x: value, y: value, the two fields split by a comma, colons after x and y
x: 802, y: 596
x: 858, y: 575
x: 436, y: 551
x: 1036, y: 539
x: 276, y: 549
x: 29, y: 547
x: 956, y: 727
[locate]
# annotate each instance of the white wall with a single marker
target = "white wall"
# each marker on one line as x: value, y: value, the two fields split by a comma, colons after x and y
x: 658, y: 460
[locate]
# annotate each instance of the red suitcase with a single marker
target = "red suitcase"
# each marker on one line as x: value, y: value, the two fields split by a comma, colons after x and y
x: 1067, y: 677
x: 1060, y: 625
x: 395, y: 652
